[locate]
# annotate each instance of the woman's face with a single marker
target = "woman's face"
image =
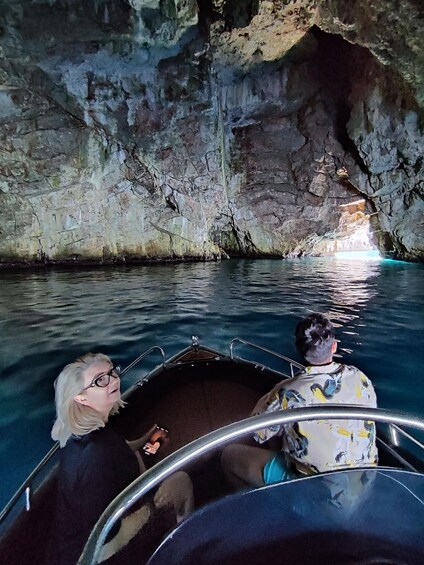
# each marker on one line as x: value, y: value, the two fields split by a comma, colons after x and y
x: 101, y: 399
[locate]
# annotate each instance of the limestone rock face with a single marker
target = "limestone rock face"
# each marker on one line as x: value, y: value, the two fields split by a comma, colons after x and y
x: 143, y: 129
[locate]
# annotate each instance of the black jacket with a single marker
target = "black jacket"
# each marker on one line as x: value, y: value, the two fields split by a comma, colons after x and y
x: 93, y: 470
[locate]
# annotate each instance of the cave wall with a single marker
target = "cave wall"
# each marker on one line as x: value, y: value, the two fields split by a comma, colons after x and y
x: 182, y: 129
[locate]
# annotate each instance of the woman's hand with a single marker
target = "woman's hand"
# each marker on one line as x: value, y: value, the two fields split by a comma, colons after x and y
x: 150, y: 441
x: 160, y: 434
x: 137, y: 444
x: 158, y: 437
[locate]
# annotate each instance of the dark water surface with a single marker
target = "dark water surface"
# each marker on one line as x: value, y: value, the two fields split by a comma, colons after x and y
x: 49, y: 317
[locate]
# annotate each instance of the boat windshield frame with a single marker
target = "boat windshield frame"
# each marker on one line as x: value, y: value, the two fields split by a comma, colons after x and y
x: 218, y: 438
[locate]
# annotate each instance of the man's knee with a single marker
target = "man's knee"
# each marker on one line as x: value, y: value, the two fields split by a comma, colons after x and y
x: 229, y: 456
x: 246, y: 463
x: 235, y: 455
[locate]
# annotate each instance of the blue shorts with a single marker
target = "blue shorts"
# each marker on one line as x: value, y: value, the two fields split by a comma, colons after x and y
x: 276, y: 470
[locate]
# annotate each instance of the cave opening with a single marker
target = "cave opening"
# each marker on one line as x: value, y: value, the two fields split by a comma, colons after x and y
x: 339, y: 67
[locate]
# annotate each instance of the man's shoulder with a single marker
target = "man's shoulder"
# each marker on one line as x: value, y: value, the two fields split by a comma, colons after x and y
x: 318, y: 371
x: 333, y: 371
x: 297, y: 383
x: 354, y: 371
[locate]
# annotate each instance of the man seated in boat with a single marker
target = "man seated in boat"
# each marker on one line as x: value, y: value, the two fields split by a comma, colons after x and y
x: 96, y: 463
x: 316, y: 446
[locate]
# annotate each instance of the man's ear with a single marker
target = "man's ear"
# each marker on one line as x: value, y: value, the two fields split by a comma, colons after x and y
x: 334, y: 347
x: 81, y: 399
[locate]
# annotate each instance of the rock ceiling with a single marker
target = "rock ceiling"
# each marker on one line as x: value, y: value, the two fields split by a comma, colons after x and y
x: 151, y: 129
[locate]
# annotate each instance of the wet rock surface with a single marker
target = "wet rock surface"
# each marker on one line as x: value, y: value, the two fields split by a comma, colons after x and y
x: 149, y: 130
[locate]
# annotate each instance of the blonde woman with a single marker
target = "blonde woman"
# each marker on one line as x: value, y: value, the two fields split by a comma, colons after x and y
x: 96, y: 464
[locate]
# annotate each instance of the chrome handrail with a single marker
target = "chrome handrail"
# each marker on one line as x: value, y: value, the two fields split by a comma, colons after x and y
x: 142, y: 356
x: 405, y: 434
x: 217, y: 438
x: 27, y: 484
x: 389, y: 449
x: 291, y: 362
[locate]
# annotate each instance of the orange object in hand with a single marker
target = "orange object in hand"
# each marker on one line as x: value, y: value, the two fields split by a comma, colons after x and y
x: 158, y: 437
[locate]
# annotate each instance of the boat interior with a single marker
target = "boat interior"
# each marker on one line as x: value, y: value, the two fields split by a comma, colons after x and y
x: 193, y: 393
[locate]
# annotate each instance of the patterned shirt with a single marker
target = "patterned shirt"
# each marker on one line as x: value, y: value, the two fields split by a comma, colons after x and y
x: 323, y: 445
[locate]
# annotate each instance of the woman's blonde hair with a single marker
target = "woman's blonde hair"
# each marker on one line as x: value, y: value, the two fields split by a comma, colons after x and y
x: 73, y: 418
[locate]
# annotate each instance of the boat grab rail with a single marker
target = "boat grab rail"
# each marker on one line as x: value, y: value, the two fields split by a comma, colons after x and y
x: 291, y: 362
x: 192, y: 451
x: 142, y: 356
x: 389, y: 449
x: 396, y: 429
x: 26, y: 486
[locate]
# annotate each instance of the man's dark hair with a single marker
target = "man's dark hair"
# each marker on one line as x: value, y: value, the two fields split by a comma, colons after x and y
x: 314, y: 338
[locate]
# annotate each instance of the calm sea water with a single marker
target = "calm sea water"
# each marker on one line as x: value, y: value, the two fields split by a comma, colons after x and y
x: 50, y: 317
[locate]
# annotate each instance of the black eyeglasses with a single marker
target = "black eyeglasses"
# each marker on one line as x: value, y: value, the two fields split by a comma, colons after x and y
x: 104, y: 380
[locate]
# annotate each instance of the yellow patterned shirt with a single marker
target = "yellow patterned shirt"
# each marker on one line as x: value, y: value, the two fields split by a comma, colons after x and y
x: 324, y: 445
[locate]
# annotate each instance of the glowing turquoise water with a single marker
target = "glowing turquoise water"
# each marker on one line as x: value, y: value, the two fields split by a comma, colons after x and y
x: 50, y: 317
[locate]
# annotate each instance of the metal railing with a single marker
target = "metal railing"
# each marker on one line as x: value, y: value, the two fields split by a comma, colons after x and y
x: 26, y: 486
x: 293, y: 364
x: 394, y: 429
x: 144, y: 380
x: 142, y: 356
x: 217, y: 438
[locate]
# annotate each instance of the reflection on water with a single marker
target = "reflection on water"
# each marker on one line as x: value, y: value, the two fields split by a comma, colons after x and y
x: 371, y: 255
x: 47, y: 318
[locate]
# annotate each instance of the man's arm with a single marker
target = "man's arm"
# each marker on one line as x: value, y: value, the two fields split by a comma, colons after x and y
x: 284, y: 396
x: 266, y: 400
x: 272, y: 405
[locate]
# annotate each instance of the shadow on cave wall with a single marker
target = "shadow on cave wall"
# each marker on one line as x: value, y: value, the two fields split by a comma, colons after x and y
x: 236, y: 14
x: 338, y: 65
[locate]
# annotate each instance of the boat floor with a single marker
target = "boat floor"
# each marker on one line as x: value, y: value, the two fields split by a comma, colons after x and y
x: 190, y: 410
